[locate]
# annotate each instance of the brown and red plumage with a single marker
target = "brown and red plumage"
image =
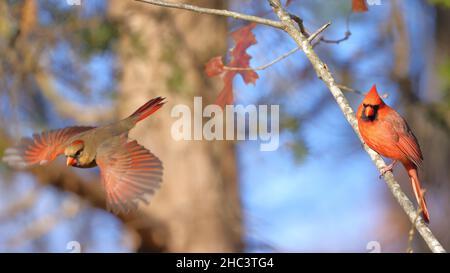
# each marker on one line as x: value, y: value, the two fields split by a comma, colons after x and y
x: 387, y: 133
x: 128, y: 170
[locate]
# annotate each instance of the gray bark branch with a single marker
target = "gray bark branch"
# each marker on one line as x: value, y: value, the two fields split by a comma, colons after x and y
x: 226, y: 13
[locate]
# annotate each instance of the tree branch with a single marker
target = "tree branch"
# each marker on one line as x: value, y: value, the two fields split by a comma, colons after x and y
x: 220, y: 12
x: 83, y: 114
x: 348, y: 89
x: 44, y: 224
x: 262, y: 67
x: 20, y: 205
x: 287, y: 54
x: 324, y: 74
x: 65, y: 179
x: 347, y: 35
x: 412, y: 230
x: 320, y: 30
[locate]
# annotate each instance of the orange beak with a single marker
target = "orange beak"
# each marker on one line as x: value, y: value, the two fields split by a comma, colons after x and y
x: 71, y: 161
x: 368, y: 111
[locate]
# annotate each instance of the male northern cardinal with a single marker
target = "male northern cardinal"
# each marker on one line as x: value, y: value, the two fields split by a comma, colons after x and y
x: 128, y: 170
x: 387, y: 133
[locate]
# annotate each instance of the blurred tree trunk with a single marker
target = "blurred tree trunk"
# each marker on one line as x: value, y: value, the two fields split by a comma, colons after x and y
x: 439, y: 145
x: 162, y: 52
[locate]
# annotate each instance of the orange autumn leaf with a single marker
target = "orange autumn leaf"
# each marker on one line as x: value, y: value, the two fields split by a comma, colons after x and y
x: 243, y: 38
x: 226, y: 95
x: 359, y: 6
x: 214, y: 67
x: 239, y: 58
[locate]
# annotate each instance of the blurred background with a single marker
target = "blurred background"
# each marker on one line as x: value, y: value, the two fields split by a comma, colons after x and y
x: 96, y: 62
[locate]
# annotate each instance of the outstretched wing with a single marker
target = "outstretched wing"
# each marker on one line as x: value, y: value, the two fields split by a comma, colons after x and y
x: 129, y: 171
x: 40, y: 148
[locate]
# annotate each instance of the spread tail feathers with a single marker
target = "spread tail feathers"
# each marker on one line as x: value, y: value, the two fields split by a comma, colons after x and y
x: 412, y: 172
x: 147, y: 109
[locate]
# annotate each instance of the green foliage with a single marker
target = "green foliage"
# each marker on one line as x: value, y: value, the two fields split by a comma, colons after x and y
x: 97, y: 38
x: 443, y: 3
x: 137, y: 45
x: 176, y: 81
x: 7, y: 27
x: 290, y: 123
x: 3, y: 145
x: 299, y: 151
x: 444, y: 75
x: 297, y: 146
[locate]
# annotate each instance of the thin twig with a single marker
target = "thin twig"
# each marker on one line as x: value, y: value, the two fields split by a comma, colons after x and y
x: 287, y: 54
x: 262, y: 67
x: 311, y: 37
x: 299, y: 22
x: 349, y: 89
x: 220, y: 12
x: 320, y: 30
x: 324, y: 74
x: 347, y: 34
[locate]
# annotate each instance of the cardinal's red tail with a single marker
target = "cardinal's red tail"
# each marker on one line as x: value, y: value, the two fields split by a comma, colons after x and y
x: 147, y: 109
x: 412, y: 172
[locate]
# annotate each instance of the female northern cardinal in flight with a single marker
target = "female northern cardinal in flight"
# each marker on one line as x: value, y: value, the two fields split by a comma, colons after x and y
x: 387, y: 133
x: 128, y: 170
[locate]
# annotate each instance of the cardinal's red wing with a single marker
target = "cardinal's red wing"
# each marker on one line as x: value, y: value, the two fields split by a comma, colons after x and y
x: 41, y: 148
x: 407, y: 142
x: 409, y: 146
x: 129, y: 171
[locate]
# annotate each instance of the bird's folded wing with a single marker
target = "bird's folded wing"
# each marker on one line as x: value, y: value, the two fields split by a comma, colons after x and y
x: 129, y: 172
x: 41, y: 148
x: 407, y: 143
